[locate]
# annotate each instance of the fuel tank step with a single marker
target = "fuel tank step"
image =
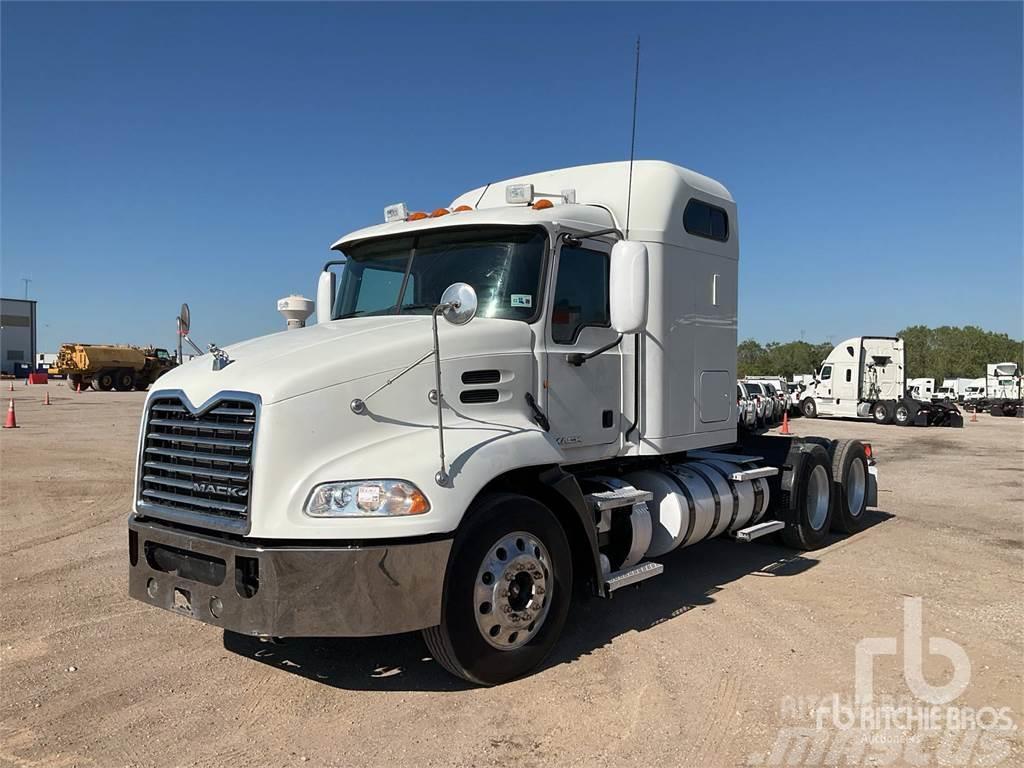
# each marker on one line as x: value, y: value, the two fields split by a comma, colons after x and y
x: 634, y: 575
x: 759, y: 530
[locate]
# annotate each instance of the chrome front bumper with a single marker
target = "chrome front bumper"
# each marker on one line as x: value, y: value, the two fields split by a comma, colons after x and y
x: 282, y: 590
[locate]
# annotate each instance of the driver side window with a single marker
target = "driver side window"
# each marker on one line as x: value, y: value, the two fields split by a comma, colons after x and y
x: 826, y: 373
x: 581, y: 293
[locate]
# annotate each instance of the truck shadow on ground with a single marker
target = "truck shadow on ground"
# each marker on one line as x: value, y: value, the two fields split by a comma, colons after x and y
x: 402, y: 663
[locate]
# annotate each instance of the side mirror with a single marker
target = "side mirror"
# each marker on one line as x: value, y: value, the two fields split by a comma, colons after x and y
x: 628, y: 286
x: 184, y: 320
x: 461, y: 302
x: 324, y: 296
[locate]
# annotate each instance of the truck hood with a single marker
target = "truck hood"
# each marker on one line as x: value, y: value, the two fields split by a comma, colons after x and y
x: 292, y: 363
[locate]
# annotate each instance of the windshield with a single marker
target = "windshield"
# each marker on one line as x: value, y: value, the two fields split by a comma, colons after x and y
x: 406, y: 276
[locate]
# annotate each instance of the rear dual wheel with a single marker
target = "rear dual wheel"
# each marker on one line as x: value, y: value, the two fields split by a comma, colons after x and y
x: 806, y: 497
x: 849, y: 482
x: 124, y: 380
x: 883, y: 412
x: 904, y: 413
x: 104, y: 381
x: 507, y: 591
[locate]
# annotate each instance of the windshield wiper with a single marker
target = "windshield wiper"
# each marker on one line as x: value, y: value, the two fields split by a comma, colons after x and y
x: 350, y: 314
x: 423, y: 305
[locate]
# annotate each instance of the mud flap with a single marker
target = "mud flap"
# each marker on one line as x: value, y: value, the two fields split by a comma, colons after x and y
x: 872, y: 489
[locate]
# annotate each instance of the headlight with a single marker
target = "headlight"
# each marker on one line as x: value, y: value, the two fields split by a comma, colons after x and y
x: 366, y: 498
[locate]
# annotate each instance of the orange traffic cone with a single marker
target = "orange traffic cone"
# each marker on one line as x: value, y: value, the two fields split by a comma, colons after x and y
x: 12, y: 422
x: 974, y: 415
x: 46, y: 400
x: 79, y: 390
x: 785, y: 424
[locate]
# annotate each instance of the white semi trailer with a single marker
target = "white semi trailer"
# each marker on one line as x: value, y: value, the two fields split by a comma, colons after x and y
x: 528, y: 392
x: 864, y: 377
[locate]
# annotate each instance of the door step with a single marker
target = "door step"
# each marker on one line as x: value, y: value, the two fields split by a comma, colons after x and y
x: 634, y: 575
x: 619, y: 497
x: 759, y: 530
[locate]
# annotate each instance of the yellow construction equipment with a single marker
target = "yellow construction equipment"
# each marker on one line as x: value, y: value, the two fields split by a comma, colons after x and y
x: 111, y: 366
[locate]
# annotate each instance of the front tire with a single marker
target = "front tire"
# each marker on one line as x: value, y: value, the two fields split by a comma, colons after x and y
x: 507, y: 591
x: 808, y: 408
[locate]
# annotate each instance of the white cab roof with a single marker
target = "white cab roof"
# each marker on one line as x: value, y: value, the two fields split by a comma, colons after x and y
x: 659, y: 191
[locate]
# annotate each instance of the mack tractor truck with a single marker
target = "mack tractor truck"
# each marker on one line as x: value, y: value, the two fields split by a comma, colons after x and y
x: 522, y: 398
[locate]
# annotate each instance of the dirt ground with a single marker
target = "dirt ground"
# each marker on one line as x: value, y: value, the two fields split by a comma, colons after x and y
x: 713, y: 663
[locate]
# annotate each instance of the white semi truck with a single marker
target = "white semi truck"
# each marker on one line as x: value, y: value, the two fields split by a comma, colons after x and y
x: 864, y: 377
x: 999, y: 392
x: 525, y: 394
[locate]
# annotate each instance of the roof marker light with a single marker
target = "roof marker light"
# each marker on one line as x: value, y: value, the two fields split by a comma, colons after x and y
x: 543, y: 204
x: 462, y: 208
x: 439, y: 212
x: 519, y: 193
x: 416, y: 216
x: 396, y: 212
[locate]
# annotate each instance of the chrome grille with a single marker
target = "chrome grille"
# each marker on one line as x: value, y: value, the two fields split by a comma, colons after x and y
x: 197, y: 468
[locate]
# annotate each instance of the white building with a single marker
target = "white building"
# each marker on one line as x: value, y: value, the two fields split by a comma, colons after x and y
x: 17, y: 333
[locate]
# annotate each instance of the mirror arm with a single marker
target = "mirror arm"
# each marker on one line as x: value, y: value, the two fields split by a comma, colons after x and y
x: 574, y: 241
x: 333, y: 263
x: 577, y: 358
x: 441, y: 478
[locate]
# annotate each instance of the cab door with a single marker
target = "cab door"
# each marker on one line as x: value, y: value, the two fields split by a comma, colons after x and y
x: 823, y: 391
x: 583, y: 397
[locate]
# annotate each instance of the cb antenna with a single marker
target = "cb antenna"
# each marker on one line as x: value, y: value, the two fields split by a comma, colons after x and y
x: 632, y: 140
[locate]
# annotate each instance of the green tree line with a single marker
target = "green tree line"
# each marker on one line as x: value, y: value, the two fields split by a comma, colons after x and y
x: 938, y: 353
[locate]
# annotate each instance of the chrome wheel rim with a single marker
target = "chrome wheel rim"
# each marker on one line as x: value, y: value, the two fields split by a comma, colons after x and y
x: 902, y: 413
x: 817, y: 497
x: 855, y: 487
x: 513, y: 590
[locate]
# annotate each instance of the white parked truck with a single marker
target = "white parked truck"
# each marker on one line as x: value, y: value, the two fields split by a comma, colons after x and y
x: 921, y: 389
x: 864, y: 377
x: 527, y: 393
x: 999, y: 392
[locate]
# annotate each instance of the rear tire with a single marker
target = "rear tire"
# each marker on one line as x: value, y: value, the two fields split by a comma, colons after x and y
x: 904, y: 413
x: 808, y: 408
x: 882, y: 412
x: 850, y: 475
x: 104, y: 381
x: 124, y: 380
x: 491, y: 633
x: 809, y: 500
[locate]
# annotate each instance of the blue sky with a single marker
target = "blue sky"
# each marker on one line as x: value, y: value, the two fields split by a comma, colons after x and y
x: 160, y: 152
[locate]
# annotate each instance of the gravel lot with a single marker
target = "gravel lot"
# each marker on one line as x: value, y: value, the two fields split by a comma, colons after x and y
x: 701, y: 667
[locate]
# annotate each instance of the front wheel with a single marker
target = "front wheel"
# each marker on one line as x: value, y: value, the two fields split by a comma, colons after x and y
x: 808, y: 408
x: 507, y: 591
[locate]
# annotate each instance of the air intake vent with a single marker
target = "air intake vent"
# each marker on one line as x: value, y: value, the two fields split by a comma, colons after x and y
x: 480, y: 377
x: 479, y: 396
